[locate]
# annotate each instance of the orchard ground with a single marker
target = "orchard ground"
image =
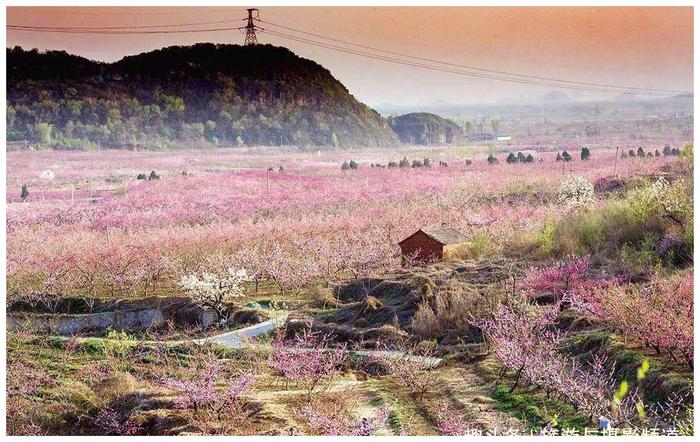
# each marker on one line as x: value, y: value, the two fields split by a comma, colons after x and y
x: 94, y: 227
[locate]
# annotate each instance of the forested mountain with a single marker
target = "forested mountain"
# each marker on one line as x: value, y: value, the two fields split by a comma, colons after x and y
x: 425, y: 128
x: 201, y: 95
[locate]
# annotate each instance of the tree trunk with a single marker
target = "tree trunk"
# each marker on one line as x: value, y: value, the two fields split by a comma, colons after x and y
x: 517, y: 379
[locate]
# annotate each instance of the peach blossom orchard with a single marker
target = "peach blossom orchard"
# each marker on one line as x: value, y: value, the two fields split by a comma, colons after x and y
x: 90, y: 227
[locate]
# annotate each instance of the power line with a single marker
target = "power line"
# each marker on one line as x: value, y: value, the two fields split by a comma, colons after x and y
x: 199, y: 11
x: 452, y: 71
x: 476, y: 68
x: 97, y: 31
x: 108, y: 28
x: 421, y: 62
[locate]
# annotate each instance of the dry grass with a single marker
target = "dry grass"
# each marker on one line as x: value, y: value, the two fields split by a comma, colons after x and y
x: 450, y: 309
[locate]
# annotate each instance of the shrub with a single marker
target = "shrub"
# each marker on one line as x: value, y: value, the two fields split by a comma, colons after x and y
x: 575, y: 193
x: 640, y: 152
x: 141, y: 176
x: 416, y: 163
x: 529, y: 158
x: 393, y: 164
x: 632, y: 153
x: 601, y: 231
x: 585, y: 153
x: 353, y: 165
x: 559, y: 157
x: 642, y: 258
x: 480, y: 244
x: 545, y: 237
x: 467, y: 162
x: 24, y: 194
x: 566, y: 156
x: 426, y: 162
x: 404, y: 162
x: 511, y: 159
x: 345, y: 166
x: 153, y: 176
x: 492, y: 159
x: 521, y: 157
x: 669, y: 201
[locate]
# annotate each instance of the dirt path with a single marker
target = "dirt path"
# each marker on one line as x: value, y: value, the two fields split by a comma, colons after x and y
x: 241, y: 339
x: 461, y: 388
x: 466, y: 390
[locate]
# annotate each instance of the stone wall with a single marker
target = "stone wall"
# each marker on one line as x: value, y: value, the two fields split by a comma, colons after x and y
x: 116, y: 320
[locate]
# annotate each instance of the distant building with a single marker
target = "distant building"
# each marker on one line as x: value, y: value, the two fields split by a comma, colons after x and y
x: 480, y: 136
x: 432, y: 244
x: 486, y: 136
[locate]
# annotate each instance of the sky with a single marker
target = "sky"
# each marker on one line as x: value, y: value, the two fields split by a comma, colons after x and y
x: 649, y: 47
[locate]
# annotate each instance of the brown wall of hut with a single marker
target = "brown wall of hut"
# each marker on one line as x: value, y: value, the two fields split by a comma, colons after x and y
x: 428, y: 249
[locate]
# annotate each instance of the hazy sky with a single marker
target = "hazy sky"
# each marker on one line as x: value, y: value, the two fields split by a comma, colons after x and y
x: 641, y: 47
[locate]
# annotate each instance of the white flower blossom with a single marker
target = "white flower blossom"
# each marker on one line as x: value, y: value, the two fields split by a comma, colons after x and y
x: 213, y: 291
x: 575, y: 193
x: 47, y: 175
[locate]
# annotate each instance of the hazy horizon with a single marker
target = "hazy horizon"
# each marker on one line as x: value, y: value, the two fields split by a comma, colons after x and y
x: 648, y: 47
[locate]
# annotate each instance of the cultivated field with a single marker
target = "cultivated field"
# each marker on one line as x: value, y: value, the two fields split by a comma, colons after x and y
x: 571, y: 300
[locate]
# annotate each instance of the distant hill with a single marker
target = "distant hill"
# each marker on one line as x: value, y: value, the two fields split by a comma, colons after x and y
x: 205, y: 94
x: 425, y: 128
x: 555, y: 97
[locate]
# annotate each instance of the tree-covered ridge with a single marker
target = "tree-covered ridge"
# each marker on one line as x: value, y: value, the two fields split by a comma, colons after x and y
x: 204, y: 94
x: 425, y: 128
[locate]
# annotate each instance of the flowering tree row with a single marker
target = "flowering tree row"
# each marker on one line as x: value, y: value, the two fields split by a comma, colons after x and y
x: 660, y: 314
x: 522, y: 337
x: 312, y: 221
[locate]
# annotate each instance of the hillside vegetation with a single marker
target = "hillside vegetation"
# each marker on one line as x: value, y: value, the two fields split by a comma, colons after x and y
x: 205, y: 94
x: 425, y: 128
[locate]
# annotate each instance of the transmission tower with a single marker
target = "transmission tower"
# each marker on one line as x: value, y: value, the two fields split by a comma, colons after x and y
x: 250, y: 37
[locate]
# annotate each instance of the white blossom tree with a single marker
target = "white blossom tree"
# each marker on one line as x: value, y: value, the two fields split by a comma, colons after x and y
x: 214, y: 291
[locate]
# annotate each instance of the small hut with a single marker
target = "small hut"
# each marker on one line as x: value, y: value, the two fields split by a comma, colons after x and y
x: 432, y: 244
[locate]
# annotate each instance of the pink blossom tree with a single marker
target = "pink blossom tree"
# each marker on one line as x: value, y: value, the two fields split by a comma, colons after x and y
x: 212, y: 408
x: 450, y: 422
x: 558, y: 279
x: 326, y: 423
x: 307, y: 359
x: 659, y: 314
x: 112, y: 423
